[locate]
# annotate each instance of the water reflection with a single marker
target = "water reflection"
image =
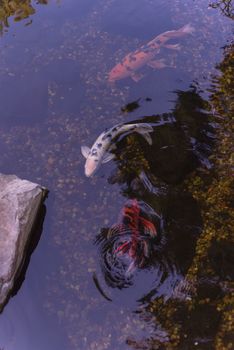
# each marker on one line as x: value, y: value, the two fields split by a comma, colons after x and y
x: 18, y: 9
x: 225, y: 6
x: 160, y: 223
x: 182, y: 141
x: 200, y: 321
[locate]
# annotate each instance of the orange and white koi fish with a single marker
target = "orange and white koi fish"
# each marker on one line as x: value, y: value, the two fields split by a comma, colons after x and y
x: 131, y: 63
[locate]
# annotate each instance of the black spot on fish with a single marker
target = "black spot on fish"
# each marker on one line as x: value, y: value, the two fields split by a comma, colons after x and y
x: 96, y: 160
x: 99, y: 145
x: 106, y: 136
x: 132, y: 58
x: 128, y: 68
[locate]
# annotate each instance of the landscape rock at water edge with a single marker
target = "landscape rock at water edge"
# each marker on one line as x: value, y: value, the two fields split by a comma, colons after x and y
x: 20, y: 204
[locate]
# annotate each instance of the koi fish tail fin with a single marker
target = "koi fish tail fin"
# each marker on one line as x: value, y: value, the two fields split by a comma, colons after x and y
x: 144, y: 130
x: 187, y: 29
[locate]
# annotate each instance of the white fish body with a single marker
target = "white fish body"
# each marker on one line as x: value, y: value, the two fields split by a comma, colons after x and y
x: 99, y: 154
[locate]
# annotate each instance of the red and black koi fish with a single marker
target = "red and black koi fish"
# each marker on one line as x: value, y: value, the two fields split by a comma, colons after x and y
x: 136, y: 233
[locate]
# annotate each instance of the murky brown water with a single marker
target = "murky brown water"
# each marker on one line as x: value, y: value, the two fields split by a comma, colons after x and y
x: 55, y: 96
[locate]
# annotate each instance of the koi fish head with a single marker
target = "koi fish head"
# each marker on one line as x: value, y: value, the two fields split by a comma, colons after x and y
x: 92, y: 160
x: 90, y: 167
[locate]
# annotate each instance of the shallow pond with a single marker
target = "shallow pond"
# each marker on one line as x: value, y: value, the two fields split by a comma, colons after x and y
x: 96, y: 280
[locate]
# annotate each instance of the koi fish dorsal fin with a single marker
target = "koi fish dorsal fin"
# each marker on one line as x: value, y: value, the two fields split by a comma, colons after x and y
x: 85, y: 151
x: 107, y: 157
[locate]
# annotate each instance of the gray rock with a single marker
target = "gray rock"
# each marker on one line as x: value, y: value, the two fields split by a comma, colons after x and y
x: 20, y: 202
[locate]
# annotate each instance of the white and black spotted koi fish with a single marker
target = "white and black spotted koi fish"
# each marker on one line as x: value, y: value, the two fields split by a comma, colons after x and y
x: 145, y: 55
x: 100, y: 151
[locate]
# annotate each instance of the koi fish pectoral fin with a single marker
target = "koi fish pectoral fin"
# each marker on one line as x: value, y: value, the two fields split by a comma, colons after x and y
x: 107, y: 157
x: 157, y: 64
x: 144, y: 131
x: 147, y: 137
x: 137, y: 76
x: 85, y: 151
x: 147, y: 183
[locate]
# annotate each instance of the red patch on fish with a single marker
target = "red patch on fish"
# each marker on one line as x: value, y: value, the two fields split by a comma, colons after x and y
x: 141, y: 231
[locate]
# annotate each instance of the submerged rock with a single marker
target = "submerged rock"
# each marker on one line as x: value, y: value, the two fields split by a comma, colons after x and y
x: 20, y: 203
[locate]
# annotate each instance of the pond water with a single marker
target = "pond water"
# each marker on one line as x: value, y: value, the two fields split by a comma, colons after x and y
x: 96, y: 280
